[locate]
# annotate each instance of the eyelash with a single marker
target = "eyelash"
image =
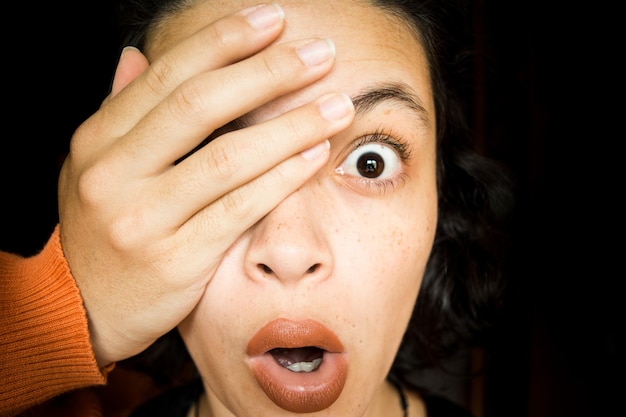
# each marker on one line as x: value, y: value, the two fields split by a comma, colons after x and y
x: 396, y: 143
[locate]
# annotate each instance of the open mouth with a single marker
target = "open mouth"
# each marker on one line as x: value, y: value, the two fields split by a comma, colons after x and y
x: 306, y: 359
x: 300, y: 366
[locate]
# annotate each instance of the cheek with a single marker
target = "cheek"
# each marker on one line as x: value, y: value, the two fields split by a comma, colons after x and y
x: 390, y: 246
x: 222, y: 318
x: 215, y: 334
x: 204, y: 328
x: 381, y: 277
x: 386, y: 265
x: 390, y: 274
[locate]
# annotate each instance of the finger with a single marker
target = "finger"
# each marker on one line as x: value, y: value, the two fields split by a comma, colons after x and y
x: 211, y: 100
x: 131, y: 64
x: 240, y: 209
x: 227, y: 40
x: 239, y: 157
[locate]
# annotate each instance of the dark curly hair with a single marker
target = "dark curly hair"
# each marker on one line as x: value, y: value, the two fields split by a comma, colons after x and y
x: 463, y: 286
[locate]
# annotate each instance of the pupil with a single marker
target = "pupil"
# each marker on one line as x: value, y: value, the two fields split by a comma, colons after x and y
x: 370, y: 165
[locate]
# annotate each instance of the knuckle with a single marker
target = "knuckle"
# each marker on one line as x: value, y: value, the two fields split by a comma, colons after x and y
x: 220, y: 35
x: 234, y: 203
x: 77, y: 146
x: 281, y: 65
x: 87, y: 138
x: 158, y: 75
x: 272, y: 68
x: 279, y: 173
x: 93, y: 185
x: 126, y: 231
x: 188, y: 101
x: 223, y: 160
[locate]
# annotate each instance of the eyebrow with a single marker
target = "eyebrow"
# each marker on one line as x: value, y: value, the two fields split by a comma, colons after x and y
x: 396, y: 92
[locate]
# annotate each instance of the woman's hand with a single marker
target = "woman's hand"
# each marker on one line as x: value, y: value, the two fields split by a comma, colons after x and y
x: 143, y: 235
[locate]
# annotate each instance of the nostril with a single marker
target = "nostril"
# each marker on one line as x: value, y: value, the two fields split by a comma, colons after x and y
x: 266, y: 269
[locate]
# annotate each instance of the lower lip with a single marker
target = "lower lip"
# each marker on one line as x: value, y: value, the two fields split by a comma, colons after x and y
x: 301, y: 392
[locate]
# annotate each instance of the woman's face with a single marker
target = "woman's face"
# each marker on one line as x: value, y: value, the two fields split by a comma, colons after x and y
x: 343, y: 256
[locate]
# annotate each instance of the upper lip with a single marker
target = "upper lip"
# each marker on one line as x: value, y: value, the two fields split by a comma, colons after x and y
x: 285, y: 333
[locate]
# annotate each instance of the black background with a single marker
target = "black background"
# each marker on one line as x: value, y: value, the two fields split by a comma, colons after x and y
x: 547, y: 106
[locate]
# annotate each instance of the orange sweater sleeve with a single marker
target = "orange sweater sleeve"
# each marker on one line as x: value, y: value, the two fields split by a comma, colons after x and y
x: 44, y: 339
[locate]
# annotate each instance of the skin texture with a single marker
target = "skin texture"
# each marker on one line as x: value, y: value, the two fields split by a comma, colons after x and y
x: 343, y: 250
x: 143, y: 235
x: 247, y: 230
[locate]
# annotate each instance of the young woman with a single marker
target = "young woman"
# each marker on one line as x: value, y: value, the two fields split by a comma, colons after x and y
x: 294, y: 187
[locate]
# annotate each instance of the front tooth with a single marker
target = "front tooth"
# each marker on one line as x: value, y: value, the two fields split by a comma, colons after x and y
x: 305, y: 366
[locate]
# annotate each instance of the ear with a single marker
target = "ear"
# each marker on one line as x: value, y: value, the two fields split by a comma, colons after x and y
x: 131, y: 64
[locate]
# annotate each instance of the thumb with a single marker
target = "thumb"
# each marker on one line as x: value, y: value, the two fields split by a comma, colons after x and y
x: 131, y: 64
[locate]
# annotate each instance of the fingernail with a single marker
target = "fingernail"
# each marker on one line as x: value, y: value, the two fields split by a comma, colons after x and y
x: 317, y: 150
x: 115, y: 87
x: 317, y: 52
x: 128, y: 48
x: 123, y: 53
x: 266, y: 16
x: 336, y: 107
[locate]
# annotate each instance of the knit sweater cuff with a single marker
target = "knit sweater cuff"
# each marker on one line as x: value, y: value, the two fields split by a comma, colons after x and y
x: 44, y: 343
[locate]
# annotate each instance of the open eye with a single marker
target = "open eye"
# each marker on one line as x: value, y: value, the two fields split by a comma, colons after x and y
x: 372, y: 161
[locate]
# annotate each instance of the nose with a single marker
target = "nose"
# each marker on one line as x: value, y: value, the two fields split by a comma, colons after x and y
x: 289, y: 243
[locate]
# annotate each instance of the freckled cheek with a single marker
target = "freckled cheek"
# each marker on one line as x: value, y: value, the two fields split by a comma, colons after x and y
x: 404, y: 248
x: 405, y: 268
x: 386, y: 278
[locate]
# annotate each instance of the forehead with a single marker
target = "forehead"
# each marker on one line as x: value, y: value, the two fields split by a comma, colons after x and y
x: 373, y: 46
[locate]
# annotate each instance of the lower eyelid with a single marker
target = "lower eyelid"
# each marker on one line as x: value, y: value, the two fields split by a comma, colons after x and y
x: 374, y: 186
